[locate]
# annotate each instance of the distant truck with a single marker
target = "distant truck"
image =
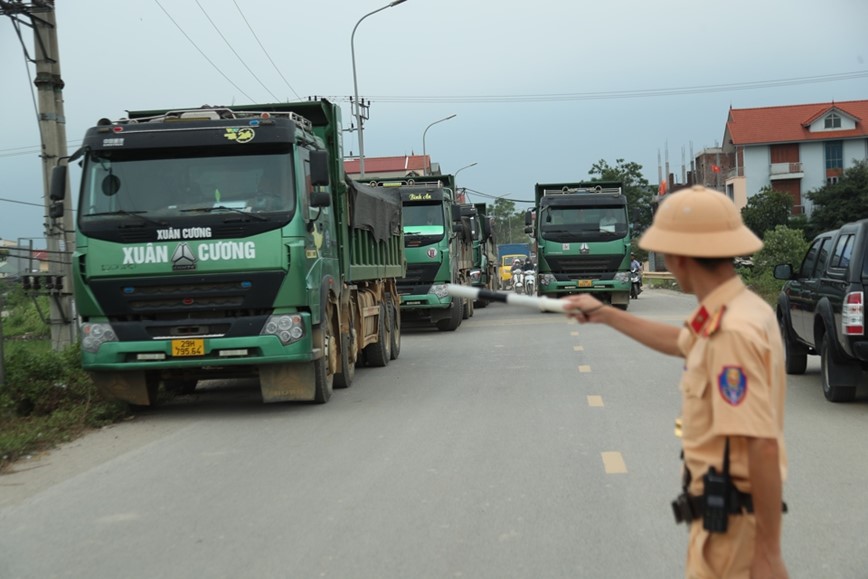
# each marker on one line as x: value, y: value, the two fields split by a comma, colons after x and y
x: 582, y: 234
x: 507, y: 253
x: 483, y: 273
x: 226, y: 242
x: 438, y: 243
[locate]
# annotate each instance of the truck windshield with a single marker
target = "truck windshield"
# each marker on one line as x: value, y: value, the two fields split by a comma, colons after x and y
x: 118, y: 183
x: 423, y: 218
x: 570, y: 223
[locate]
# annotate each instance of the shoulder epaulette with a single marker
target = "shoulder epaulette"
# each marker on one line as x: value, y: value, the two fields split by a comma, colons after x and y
x: 714, y: 323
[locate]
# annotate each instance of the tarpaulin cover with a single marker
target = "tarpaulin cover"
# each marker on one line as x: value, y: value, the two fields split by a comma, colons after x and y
x: 375, y: 209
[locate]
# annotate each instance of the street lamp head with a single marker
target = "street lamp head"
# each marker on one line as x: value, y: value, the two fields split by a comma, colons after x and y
x: 396, y: 2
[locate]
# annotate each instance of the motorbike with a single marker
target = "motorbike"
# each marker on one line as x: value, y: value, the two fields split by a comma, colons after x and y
x: 529, y: 282
x: 635, y: 283
x: 518, y: 281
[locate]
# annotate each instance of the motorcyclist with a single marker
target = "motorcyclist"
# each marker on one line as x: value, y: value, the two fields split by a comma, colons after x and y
x: 635, y: 266
x: 516, y: 269
x: 528, y: 265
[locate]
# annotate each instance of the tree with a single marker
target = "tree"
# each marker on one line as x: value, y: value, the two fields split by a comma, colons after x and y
x: 636, y: 187
x: 841, y: 202
x: 766, y: 210
x: 507, y: 222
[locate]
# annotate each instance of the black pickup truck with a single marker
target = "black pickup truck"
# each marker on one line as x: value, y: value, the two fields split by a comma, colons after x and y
x: 821, y: 309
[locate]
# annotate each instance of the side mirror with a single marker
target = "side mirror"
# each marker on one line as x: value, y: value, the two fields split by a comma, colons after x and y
x: 319, y: 170
x: 55, y: 211
x: 783, y: 271
x: 57, y: 192
x: 528, y: 219
x: 456, y: 212
x: 320, y: 199
x: 529, y: 229
x: 486, y: 228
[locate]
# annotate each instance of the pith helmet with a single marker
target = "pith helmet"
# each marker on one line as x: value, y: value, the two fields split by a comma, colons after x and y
x: 699, y: 222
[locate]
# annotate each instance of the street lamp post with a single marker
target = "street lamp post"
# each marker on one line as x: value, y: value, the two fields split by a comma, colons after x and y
x: 356, y: 85
x: 424, y: 154
x: 465, y: 167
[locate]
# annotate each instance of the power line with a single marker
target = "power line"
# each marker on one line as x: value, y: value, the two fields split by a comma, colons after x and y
x: 241, y: 60
x: 481, y: 194
x: 22, y: 202
x: 205, y: 56
x: 637, y: 93
x: 265, y: 51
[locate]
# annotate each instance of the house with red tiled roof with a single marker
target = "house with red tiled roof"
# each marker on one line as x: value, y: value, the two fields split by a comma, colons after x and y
x: 391, y: 167
x: 793, y: 148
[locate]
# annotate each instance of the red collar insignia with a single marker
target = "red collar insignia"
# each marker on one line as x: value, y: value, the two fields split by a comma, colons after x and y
x: 699, y: 320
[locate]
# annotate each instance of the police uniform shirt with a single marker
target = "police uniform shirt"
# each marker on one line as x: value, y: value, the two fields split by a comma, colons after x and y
x: 734, y: 383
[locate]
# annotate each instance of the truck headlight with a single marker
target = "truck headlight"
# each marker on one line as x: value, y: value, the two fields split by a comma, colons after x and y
x: 439, y: 290
x: 475, y: 276
x: 623, y: 276
x: 95, y: 335
x: 288, y: 328
x: 547, y: 279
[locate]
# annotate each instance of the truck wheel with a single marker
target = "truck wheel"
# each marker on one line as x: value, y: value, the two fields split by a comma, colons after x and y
x: 378, y: 353
x: 347, y: 370
x: 395, y: 317
x: 451, y: 323
x: 839, y: 379
x: 467, y: 313
x: 795, y: 355
x: 323, y: 378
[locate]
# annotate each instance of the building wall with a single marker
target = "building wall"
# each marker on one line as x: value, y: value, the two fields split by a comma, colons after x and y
x: 855, y: 150
x: 756, y: 169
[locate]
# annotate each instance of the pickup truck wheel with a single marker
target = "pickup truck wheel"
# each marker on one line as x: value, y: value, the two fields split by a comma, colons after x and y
x: 379, y: 353
x: 839, y: 379
x: 451, y: 323
x: 795, y: 356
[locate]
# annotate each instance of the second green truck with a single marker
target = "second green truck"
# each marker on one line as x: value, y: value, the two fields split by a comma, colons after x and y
x: 582, y: 234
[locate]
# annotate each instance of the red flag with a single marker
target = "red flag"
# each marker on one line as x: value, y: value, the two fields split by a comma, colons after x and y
x: 715, y: 168
x: 661, y: 189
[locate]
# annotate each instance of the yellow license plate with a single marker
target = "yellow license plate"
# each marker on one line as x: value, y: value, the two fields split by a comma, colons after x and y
x: 586, y: 283
x: 192, y: 347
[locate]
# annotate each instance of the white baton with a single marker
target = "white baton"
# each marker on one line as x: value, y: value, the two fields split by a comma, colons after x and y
x: 541, y: 304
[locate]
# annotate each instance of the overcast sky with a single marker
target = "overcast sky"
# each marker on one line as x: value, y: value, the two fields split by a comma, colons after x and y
x: 533, y: 84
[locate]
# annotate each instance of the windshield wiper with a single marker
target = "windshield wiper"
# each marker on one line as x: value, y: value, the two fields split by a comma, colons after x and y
x: 215, y: 208
x: 131, y: 214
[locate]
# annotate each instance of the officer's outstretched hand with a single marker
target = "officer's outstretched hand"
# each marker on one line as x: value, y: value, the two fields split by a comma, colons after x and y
x: 584, y: 308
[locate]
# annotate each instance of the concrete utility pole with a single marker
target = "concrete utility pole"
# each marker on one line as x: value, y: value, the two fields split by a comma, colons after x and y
x: 52, y: 130
x: 52, y: 126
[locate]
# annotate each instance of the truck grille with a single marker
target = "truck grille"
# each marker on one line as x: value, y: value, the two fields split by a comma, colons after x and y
x: 575, y: 267
x: 419, y: 278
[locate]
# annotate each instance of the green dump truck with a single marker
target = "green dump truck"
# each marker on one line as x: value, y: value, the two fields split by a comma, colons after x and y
x: 227, y: 242
x: 483, y: 272
x: 582, y: 235
x: 438, y: 243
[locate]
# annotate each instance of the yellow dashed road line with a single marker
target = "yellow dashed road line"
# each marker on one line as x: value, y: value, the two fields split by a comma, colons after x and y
x: 613, y: 462
x: 584, y: 368
x: 595, y: 401
x: 574, y: 333
x: 578, y: 348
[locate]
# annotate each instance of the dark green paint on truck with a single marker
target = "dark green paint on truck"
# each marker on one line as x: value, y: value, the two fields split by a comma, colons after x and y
x: 227, y: 242
x: 582, y: 234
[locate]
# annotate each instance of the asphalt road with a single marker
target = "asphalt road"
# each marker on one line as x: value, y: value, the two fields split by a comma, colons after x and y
x: 520, y: 445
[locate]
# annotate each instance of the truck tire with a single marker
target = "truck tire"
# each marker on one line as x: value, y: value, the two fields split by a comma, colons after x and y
x: 451, y: 323
x: 379, y: 353
x: 467, y: 312
x: 795, y: 355
x: 395, y: 317
x: 347, y: 370
x: 323, y: 380
x: 839, y: 378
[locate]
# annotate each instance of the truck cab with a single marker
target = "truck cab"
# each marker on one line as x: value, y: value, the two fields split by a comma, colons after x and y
x: 582, y: 234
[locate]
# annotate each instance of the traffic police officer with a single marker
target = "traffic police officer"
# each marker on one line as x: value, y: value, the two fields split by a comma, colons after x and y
x: 733, y: 387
